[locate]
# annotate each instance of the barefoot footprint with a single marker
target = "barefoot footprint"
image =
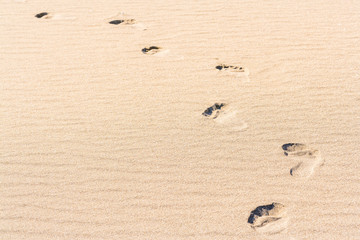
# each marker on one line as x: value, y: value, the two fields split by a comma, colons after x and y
x: 123, y: 21
x: 309, y: 159
x: 213, y: 111
x: 269, y: 219
x: 42, y: 14
x: 223, y: 115
x: 46, y: 15
x: 234, y: 70
x: 151, y: 50
x: 229, y: 67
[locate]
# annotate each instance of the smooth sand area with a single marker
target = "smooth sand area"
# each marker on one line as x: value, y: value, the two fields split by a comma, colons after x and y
x: 103, y: 136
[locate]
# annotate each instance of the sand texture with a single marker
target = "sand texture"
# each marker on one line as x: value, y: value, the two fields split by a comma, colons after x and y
x: 169, y: 120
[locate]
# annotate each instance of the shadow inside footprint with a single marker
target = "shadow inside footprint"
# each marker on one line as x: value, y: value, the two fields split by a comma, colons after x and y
x: 213, y: 109
x: 40, y: 15
x: 151, y: 50
x: 116, y: 22
x: 267, y: 218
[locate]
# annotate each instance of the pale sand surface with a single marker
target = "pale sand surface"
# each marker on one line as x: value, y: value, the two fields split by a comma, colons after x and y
x: 101, y: 141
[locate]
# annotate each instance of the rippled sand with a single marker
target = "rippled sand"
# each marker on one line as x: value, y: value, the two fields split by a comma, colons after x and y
x: 101, y: 140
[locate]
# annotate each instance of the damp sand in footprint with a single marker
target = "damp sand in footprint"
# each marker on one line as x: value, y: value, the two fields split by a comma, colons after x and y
x: 232, y: 70
x: 225, y: 116
x: 308, y: 159
x: 269, y: 219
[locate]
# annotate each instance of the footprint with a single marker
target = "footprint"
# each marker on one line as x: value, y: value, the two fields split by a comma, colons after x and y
x: 269, y: 219
x: 213, y: 111
x: 224, y: 116
x: 123, y: 21
x: 309, y: 159
x: 42, y: 14
x: 46, y: 15
x: 234, y: 70
x: 151, y: 50
x: 229, y: 67
x: 294, y: 148
x: 160, y: 52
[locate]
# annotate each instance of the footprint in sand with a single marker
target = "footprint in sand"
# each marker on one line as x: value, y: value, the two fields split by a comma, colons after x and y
x: 223, y: 115
x: 160, y: 52
x: 124, y: 19
x: 46, y: 15
x: 123, y: 22
x: 213, y: 111
x: 41, y: 15
x: 269, y: 219
x: 151, y: 50
x: 308, y: 159
x: 234, y: 71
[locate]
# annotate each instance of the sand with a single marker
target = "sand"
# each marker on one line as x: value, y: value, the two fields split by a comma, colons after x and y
x: 101, y: 140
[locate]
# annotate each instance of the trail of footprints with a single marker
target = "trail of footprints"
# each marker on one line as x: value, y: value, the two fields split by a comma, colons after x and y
x: 273, y: 218
x: 266, y: 219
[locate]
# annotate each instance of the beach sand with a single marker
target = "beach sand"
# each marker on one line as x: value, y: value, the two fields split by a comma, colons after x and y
x: 101, y: 139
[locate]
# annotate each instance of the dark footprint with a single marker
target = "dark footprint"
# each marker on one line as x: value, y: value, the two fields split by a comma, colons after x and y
x: 213, y: 109
x: 269, y: 219
x: 116, y: 22
x: 40, y: 15
x: 223, y: 67
x: 125, y: 21
x: 151, y: 50
x: 234, y: 71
